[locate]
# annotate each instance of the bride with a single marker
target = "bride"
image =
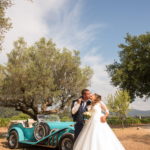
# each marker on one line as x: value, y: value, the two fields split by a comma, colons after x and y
x: 96, y: 133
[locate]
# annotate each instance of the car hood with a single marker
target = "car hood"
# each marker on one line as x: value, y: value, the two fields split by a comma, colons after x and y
x: 60, y: 125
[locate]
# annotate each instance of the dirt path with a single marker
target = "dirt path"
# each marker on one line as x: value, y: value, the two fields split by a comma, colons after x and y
x: 132, y: 138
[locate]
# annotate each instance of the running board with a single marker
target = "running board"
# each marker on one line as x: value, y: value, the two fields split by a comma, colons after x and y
x: 36, y: 142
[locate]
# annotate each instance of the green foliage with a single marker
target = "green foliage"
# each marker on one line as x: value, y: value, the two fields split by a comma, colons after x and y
x: 21, y: 116
x: 5, y: 24
x: 8, y: 112
x: 115, y: 121
x: 119, y: 103
x: 128, y: 121
x: 145, y: 120
x: 41, y: 74
x: 132, y: 73
x: 4, y: 122
x: 131, y: 121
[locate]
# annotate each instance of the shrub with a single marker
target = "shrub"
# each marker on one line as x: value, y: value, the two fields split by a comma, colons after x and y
x: 21, y: 116
x: 8, y: 112
x: 145, y: 120
x: 4, y: 122
x: 127, y: 121
x: 131, y: 121
x: 114, y: 121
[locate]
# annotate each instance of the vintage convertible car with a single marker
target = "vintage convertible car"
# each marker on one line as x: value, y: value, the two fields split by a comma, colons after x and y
x: 48, y: 131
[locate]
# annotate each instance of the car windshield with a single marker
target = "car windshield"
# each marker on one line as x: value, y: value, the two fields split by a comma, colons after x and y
x: 48, y: 118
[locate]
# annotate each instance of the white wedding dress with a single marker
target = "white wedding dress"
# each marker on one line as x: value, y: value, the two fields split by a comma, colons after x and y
x: 96, y: 135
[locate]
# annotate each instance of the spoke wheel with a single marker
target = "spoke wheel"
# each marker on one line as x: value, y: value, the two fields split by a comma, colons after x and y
x: 66, y: 142
x: 41, y: 130
x: 13, y: 140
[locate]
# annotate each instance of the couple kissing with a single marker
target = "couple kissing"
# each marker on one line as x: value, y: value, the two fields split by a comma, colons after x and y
x: 95, y: 134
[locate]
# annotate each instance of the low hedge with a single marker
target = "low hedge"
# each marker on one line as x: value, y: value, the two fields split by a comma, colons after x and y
x: 145, y: 120
x: 127, y: 121
x: 114, y: 121
x: 21, y: 116
x: 130, y: 121
x: 4, y: 122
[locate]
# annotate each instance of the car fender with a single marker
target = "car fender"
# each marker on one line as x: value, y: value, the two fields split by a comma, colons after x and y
x: 68, y: 134
x: 19, y: 132
x: 65, y: 135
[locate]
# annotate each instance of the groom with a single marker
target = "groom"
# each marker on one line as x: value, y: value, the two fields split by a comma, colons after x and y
x: 79, y: 106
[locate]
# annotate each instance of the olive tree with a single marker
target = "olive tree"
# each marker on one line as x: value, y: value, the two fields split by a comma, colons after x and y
x: 41, y: 75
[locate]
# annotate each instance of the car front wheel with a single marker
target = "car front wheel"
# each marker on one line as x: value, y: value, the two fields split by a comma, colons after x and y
x: 66, y: 142
x: 13, y: 140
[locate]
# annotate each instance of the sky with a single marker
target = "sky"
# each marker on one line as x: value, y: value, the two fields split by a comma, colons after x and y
x: 94, y: 27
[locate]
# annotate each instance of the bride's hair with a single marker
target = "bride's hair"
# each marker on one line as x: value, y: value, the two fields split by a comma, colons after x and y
x: 97, y: 99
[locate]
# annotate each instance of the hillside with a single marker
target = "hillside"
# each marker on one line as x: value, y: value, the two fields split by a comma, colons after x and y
x: 135, y: 112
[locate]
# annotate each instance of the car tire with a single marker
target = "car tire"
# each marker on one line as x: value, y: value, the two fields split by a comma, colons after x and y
x: 13, y: 142
x: 41, y: 130
x: 66, y: 142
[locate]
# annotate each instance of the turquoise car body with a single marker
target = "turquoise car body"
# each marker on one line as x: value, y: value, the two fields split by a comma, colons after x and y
x: 26, y: 134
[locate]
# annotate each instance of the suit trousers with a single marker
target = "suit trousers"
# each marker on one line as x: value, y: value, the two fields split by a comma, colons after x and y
x: 78, y: 127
